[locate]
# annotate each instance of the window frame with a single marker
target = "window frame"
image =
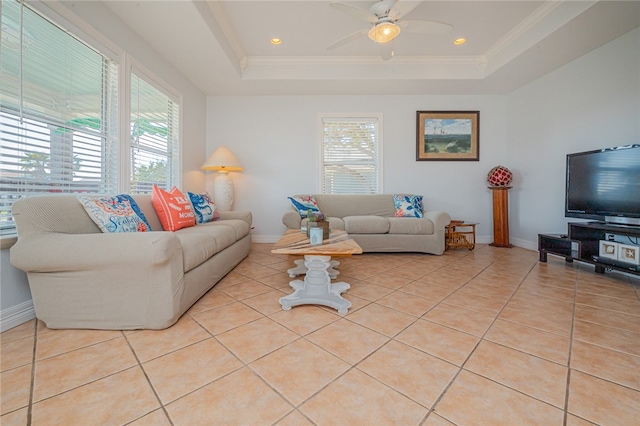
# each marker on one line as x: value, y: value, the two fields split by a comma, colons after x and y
x: 378, y: 116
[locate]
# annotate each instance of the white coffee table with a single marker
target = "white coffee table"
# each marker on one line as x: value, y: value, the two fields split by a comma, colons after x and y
x: 316, y: 288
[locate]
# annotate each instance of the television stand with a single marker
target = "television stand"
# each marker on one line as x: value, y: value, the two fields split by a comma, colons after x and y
x: 582, y: 243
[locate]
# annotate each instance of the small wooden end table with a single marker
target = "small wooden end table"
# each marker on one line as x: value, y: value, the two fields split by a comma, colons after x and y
x: 461, y: 234
x: 316, y: 288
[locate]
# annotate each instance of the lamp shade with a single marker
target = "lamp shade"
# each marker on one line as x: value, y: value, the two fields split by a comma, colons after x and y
x: 384, y: 32
x: 222, y: 159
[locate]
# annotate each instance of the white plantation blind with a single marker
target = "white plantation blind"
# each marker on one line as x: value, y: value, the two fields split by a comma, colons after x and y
x: 58, y: 112
x: 154, y: 137
x: 350, y: 155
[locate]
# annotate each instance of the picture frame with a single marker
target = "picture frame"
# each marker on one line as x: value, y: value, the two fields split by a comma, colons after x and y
x: 447, y: 135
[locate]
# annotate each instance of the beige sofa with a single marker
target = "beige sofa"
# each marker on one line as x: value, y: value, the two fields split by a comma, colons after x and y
x: 83, y: 278
x: 370, y: 221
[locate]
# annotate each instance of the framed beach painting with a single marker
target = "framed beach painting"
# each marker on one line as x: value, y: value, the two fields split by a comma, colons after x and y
x: 448, y: 136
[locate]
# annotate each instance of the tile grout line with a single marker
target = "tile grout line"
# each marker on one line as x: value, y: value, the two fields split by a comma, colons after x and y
x: 431, y: 409
x: 480, y: 340
x: 146, y: 376
x: 573, y: 321
x: 597, y: 345
x: 351, y: 367
x: 33, y: 373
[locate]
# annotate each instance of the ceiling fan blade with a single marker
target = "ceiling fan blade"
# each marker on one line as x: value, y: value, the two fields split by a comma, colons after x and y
x: 425, y: 27
x: 348, y: 39
x: 403, y: 8
x: 386, y: 50
x: 361, y: 14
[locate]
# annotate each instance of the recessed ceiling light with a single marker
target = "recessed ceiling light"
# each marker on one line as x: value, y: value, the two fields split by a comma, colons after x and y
x: 459, y: 41
x: 276, y: 41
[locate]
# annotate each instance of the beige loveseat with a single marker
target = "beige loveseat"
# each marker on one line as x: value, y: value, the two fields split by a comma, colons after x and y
x: 370, y: 221
x: 82, y: 278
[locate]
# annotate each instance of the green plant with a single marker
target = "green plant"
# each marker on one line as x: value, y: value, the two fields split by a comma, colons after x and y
x: 315, y: 216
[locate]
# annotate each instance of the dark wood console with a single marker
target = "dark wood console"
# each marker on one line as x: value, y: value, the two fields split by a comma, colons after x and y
x: 583, y: 241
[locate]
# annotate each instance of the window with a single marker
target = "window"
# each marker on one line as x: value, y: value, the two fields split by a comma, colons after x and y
x: 351, y: 155
x: 60, y: 117
x: 154, y: 145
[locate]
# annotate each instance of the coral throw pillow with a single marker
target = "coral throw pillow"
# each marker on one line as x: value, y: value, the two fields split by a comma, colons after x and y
x: 408, y: 205
x: 304, y: 204
x: 173, y: 208
x: 203, y: 207
x: 119, y: 213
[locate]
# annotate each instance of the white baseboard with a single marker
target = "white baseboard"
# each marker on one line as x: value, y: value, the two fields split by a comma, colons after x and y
x: 525, y: 244
x: 16, y: 315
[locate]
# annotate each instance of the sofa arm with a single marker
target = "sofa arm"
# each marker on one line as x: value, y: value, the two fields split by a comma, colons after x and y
x: 439, y: 219
x: 54, y: 252
x: 292, y: 219
x: 237, y: 214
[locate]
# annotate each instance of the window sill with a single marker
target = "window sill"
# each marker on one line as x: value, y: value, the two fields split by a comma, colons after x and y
x: 7, y: 242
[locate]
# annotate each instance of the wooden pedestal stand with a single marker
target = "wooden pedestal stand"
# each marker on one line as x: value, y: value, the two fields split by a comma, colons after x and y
x: 500, y: 216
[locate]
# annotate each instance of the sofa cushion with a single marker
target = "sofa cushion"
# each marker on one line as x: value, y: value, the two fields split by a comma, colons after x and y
x: 343, y: 205
x: 335, y: 223
x: 201, y: 242
x: 118, y: 213
x: 366, y: 225
x: 408, y: 205
x: 410, y: 226
x: 240, y: 227
x: 203, y: 207
x: 173, y: 208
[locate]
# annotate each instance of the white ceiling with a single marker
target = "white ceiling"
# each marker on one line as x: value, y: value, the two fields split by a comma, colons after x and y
x: 223, y: 47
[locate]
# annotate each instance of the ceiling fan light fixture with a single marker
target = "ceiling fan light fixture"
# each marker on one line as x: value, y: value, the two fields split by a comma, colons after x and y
x: 384, y: 32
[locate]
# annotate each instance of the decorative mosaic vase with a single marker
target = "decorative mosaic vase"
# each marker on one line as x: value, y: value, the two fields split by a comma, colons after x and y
x: 499, y: 176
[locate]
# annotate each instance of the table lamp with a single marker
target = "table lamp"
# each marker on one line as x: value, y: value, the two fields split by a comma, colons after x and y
x: 223, y: 161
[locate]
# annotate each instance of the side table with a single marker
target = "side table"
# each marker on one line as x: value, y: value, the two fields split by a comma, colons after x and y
x: 460, y: 234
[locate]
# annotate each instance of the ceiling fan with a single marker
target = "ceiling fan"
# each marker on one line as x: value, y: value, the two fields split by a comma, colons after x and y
x: 384, y: 17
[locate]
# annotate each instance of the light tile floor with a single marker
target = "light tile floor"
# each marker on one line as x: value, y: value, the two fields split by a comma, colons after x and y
x: 489, y: 336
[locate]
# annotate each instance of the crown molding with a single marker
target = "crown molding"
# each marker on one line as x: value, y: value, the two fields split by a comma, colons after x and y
x: 371, y: 67
x: 545, y: 20
x: 519, y: 31
x: 216, y: 18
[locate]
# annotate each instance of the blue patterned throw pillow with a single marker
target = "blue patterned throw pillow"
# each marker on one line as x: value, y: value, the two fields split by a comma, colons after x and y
x: 119, y: 213
x: 203, y: 207
x: 304, y: 204
x: 408, y: 205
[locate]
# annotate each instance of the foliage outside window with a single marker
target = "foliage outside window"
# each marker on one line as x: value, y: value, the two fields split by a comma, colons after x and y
x: 350, y: 155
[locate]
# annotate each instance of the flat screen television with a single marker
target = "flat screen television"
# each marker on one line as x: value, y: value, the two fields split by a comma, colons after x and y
x: 604, y: 185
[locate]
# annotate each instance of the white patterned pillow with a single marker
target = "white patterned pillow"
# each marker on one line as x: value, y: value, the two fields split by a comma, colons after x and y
x: 304, y: 204
x: 408, y: 205
x: 203, y: 207
x: 119, y: 213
